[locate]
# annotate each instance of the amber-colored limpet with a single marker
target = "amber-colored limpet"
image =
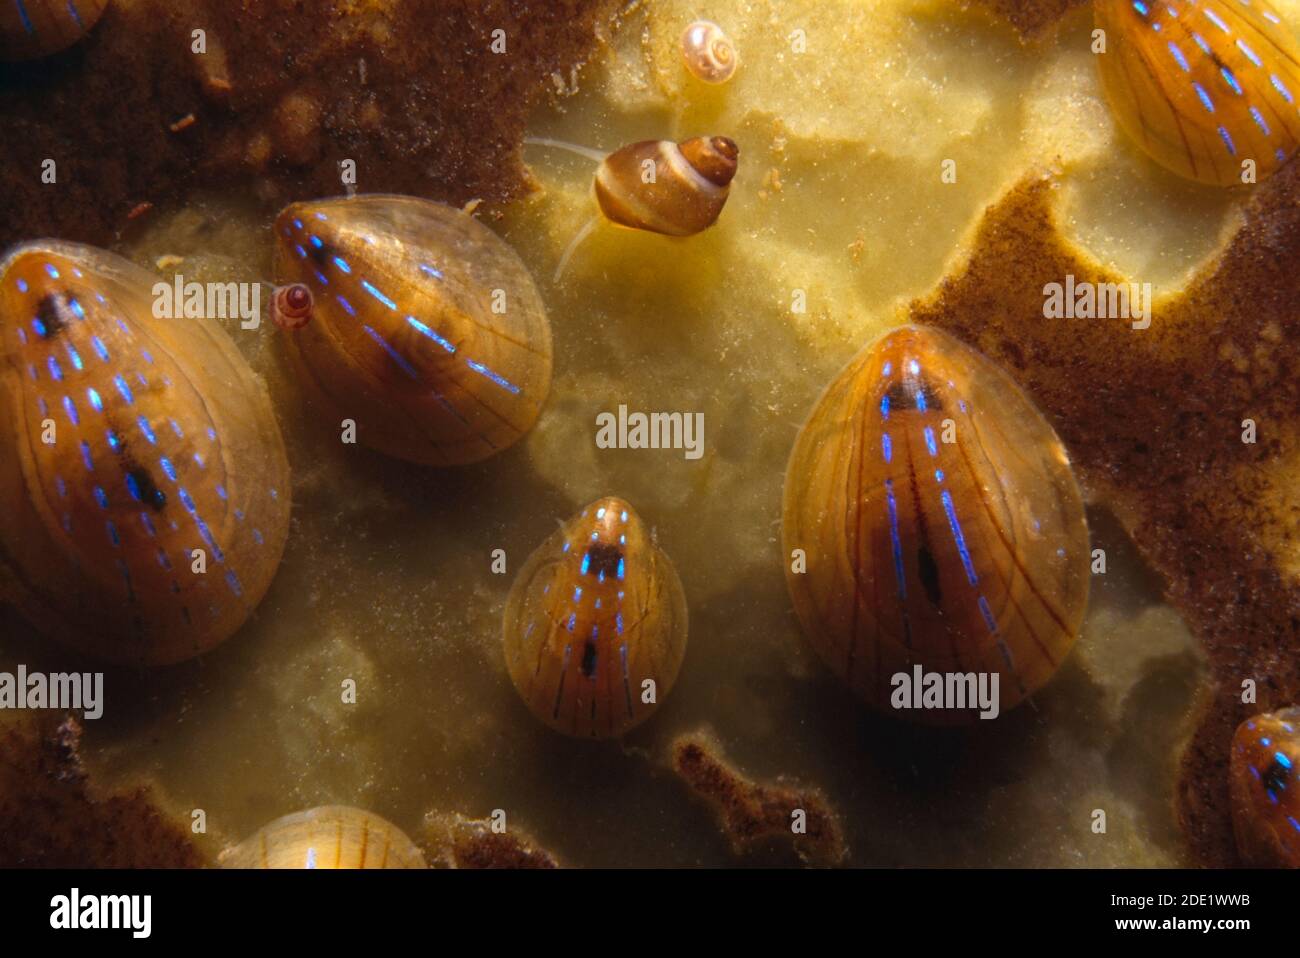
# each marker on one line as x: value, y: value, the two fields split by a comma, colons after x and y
x: 332, y: 836
x: 596, y: 622
x: 1203, y: 86
x: 426, y: 329
x: 37, y: 28
x: 938, y: 525
x: 1265, y: 785
x: 144, y: 480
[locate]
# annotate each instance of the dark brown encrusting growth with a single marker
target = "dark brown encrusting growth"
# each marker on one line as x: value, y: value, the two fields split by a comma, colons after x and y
x: 51, y: 816
x: 755, y: 814
x: 459, y: 842
x: 437, y: 114
x: 1033, y: 19
x: 1153, y: 420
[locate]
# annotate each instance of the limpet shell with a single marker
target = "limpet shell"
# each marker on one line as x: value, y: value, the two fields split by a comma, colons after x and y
x: 1265, y: 785
x: 38, y: 28
x: 596, y: 623
x: 331, y: 836
x: 164, y: 443
x: 426, y: 330
x: 1203, y: 85
x: 940, y: 523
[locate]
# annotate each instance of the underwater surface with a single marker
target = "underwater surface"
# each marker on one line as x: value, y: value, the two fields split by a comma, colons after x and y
x: 838, y: 219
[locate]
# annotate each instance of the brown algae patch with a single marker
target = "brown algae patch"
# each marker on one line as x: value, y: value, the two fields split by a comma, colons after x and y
x: 455, y: 841
x: 280, y: 94
x: 55, y: 817
x: 754, y: 814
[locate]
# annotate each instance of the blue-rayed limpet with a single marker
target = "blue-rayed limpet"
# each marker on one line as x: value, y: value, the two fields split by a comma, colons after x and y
x: 938, y: 523
x: 1203, y: 85
x: 332, y: 836
x: 37, y: 28
x: 426, y: 329
x: 595, y: 626
x: 1264, y: 773
x: 143, y: 476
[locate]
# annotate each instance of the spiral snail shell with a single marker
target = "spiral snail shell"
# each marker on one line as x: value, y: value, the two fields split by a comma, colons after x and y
x: 940, y: 522
x: 427, y: 330
x: 332, y: 836
x: 709, y: 53
x: 144, y: 479
x: 1265, y: 788
x: 677, y: 189
x: 291, y: 307
x: 1203, y: 85
x: 37, y: 28
x: 595, y: 625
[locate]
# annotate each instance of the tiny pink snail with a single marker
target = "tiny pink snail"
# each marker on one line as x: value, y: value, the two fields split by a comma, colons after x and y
x: 709, y: 53
x: 676, y: 189
x: 36, y: 28
x: 291, y: 306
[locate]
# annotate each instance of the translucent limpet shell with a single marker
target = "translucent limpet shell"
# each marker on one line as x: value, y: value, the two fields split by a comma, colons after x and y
x: 940, y: 522
x: 332, y: 836
x: 164, y: 443
x: 1202, y: 85
x: 426, y: 330
x: 1265, y: 786
x: 37, y: 28
x: 595, y: 625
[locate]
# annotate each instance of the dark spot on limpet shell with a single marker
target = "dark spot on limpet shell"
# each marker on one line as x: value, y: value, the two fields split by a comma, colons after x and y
x: 47, y: 311
x: 321, y: 255
x: 1274, y: 777
x: 604, y: 558
x: 911, y: 393
x: 146, y: 488
x: 929, y: 570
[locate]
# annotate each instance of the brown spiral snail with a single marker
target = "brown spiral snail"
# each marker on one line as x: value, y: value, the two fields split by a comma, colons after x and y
x: 709, y: 53
x: 940, y: 524
x: 426, y: 328
x: 596, y: 623
x: 144, y: 478
x: 675, y: 189
x: 332, y: 836
x: 1264, y: 773
x: 37, y: 28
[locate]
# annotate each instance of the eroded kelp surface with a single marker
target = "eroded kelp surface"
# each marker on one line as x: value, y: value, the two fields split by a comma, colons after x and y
x: 411, y: 91
x: 387, y: 579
